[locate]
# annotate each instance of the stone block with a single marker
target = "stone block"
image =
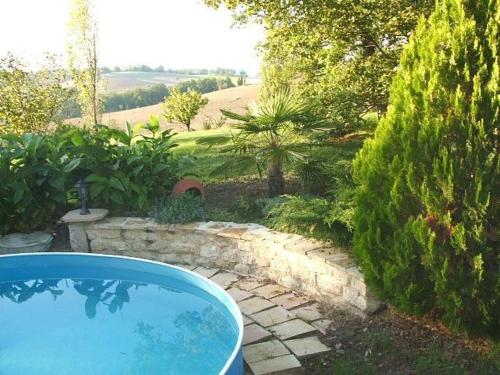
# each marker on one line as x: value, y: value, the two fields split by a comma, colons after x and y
x: 224, y: 279
x: 78, y: 238
x: 206, y: 272
x: 290, y: 300
x: 96, y: 214
x: 254, y: 305
x: 235, y: 233
x: 322, y: 325
x: 306, y: 347
x: 304, y: 245
x: 291, y: 328
x: 242, y: 268
x: 272, y: 316
x: 239, y: 294
x: 269, y: 291
x: 254, y: 333
x: 308, y: 313
x: 264, y: 350
x: 249, y: 283
x: 286, y: 364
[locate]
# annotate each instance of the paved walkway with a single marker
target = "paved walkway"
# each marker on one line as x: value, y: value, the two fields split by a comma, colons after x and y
x: 281, y: 327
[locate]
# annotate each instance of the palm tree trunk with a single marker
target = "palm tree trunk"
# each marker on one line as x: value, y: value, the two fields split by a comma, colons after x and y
x: 276, y: 181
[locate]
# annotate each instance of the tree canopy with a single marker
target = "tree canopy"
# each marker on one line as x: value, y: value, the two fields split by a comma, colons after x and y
x: 29, y: 101
x: 183, y: 107
x: 341, y: 53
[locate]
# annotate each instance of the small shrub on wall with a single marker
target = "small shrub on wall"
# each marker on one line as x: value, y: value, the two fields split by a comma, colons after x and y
x: 426, y: 222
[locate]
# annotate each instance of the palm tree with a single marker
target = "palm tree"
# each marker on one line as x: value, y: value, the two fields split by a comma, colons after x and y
x: 270, y: 135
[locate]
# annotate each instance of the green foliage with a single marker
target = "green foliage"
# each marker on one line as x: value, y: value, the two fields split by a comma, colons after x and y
x: 183, y: 209
x: 127, y: 171
x: 205, y: 85
x: 301, y: 215
x: 340, y: 53
x: 183, y: 107
x: 119, y: 101
x: 83, y: 59
x: 33, y: 186
x: 426, y: 222
x: 137, y: 98
x: 29, y: 101
x: 270, y: 135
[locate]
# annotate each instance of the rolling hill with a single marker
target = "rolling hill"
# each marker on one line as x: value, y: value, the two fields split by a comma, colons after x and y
x: 235, y: 99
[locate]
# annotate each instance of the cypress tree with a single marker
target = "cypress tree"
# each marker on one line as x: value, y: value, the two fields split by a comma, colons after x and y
x: 426, y: 221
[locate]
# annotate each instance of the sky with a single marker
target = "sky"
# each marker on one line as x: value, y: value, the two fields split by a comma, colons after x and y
x: 172, y: 33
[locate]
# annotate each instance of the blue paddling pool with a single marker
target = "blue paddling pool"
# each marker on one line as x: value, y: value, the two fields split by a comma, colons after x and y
x: 82, y: 314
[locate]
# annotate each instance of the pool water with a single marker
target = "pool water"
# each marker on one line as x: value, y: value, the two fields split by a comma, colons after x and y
x: 126, y: 322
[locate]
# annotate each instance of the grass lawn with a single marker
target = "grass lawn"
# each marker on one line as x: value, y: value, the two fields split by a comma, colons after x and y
x: 205, y: 159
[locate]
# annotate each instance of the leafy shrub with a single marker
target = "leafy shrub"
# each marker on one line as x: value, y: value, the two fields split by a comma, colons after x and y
x: 183, y: 209
x: 243, y: 210
x: 427, y: 210
x: 33, y: 186
x: 127, y: 171
x: 301, y: 215
x: 30, y: 101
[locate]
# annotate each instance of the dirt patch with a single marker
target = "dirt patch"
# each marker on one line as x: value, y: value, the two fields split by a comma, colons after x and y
x: 392, y: 343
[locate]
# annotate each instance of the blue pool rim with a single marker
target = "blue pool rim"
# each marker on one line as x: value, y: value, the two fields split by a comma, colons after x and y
x: 234, y: 364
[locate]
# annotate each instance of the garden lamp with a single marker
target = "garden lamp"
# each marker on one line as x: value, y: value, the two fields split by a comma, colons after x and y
x: 83, y: 192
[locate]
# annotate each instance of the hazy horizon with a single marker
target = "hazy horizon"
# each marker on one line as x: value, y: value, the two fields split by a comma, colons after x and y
x: 177, y: 34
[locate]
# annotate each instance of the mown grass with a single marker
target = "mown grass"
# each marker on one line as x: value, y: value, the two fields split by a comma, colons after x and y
x: 202, y: 160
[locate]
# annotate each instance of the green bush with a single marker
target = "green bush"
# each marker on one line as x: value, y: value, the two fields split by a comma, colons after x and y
x: 127, y: 171
x: 301, y: 215
x: 33, y: 187
x: 426, y: 222
x: 183, y: 209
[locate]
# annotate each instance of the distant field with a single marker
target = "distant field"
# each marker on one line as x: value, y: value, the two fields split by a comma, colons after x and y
x: 121, y: 81
x: 235, y: 99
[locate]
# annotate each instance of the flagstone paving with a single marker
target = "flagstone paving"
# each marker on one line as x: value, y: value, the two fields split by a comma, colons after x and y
x: 281, y: 327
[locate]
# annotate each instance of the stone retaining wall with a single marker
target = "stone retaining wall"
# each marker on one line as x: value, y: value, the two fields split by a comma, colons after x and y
x: 291, y: 260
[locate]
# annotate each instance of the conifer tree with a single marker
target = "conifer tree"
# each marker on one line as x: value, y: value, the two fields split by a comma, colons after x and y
x: 428, y: 203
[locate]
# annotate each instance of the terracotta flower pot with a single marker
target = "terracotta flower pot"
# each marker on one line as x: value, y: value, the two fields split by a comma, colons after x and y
x: 188, y: 185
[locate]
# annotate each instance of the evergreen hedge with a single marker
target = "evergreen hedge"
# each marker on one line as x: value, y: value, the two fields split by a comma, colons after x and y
x: 426, y: 222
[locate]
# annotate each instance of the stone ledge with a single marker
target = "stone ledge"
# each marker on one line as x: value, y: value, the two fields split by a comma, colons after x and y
x: 296, y: 262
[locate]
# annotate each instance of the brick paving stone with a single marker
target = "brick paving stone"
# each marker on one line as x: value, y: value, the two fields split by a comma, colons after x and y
x: 269, y: 291
x: 224, y: 279
x: 290, y: 300
x: 253, y: 305
x: 286, y: 364
x: 306, y: 347
x: 308, y: 313
x: 292, y: 328
x: 264, y: 350
x: 254, y: 333
x: 207, y: 272
x: 322, y: 325
x: 247, y: 320
x: 238, y: 294
x: 272, y: 316
x: 249, y: 284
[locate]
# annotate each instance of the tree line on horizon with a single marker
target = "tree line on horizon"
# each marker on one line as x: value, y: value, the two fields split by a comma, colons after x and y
x: 161, y: 69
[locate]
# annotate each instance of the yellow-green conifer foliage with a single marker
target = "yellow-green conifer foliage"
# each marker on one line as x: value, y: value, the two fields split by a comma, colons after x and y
x: 428, y: 204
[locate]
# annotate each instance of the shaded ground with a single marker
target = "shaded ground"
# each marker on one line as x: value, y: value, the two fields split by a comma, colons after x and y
x: 392, y: 343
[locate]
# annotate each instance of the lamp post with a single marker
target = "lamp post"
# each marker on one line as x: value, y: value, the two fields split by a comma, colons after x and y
x: 83, y: 192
